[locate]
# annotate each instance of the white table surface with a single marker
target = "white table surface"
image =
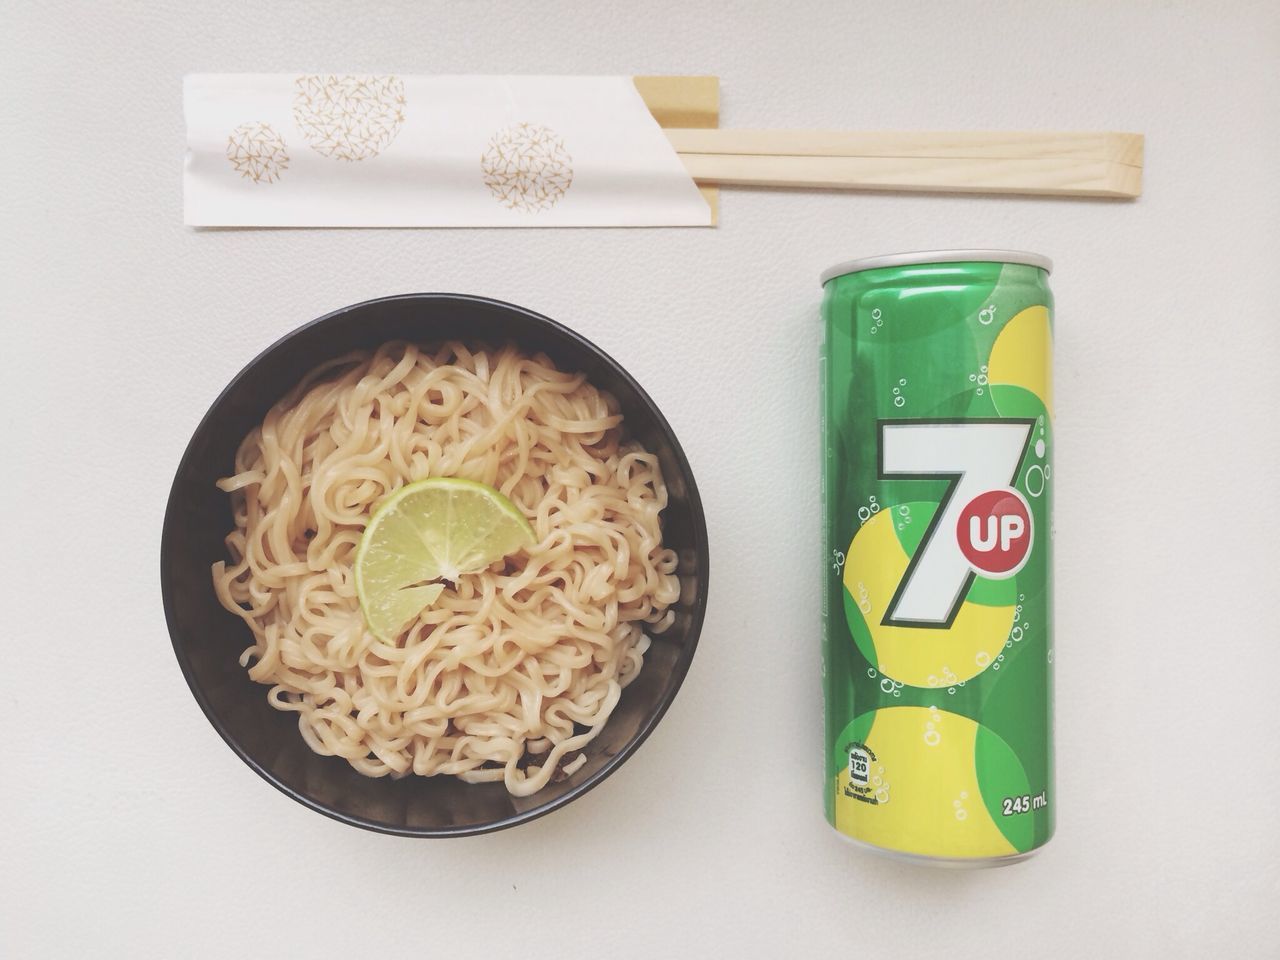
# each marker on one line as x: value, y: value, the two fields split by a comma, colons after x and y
x: 129, y: 829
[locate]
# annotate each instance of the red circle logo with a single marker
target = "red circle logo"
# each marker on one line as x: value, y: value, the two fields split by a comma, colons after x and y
x: 994, y: 533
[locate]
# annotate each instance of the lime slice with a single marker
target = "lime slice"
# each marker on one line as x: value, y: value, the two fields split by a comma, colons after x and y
x: 436, y: 529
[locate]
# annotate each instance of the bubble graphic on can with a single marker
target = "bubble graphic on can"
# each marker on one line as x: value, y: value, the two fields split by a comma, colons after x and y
x: 938, y: 409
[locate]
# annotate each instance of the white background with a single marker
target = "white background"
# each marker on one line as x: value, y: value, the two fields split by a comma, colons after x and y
x: 129, y: 829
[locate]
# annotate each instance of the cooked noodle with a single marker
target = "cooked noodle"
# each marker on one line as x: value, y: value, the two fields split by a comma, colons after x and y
x: 512, y: 670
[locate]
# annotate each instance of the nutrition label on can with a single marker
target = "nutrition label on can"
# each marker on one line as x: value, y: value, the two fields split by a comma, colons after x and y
x: 859, y: 766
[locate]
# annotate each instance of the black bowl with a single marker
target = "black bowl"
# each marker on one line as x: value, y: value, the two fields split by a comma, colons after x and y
x: 208, y: 640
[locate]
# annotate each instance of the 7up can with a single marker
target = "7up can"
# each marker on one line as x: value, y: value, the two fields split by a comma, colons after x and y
x: 938, y: 597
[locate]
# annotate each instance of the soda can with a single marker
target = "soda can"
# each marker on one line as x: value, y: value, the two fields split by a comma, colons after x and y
x: 938, y: 588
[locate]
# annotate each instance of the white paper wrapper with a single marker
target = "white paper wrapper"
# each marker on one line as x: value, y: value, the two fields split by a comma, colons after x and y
x: 331, y: 150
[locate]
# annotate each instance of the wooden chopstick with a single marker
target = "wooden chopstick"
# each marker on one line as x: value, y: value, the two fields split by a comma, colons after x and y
x: 1048, y: 164
x: 1116, y: 147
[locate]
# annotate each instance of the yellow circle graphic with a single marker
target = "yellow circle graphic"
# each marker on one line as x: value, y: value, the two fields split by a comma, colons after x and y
x: 928, y: 800
x: 1022, y: 355
x: 921, y: 657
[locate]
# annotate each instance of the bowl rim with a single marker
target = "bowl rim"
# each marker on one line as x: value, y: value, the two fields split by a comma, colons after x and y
x: 648, y: 724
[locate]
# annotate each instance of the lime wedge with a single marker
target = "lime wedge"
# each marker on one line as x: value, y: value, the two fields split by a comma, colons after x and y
x: 436, y: 529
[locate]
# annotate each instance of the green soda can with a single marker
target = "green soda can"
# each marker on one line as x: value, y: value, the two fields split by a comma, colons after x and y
x: 938, y: 594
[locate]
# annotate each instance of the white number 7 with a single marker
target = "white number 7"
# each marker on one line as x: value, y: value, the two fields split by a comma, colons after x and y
x: 976, y: 456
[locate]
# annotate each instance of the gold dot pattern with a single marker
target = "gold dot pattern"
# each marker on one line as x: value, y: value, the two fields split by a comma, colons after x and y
x: 526, y: 167
x: 348, y: 117
x: 257, y: 152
